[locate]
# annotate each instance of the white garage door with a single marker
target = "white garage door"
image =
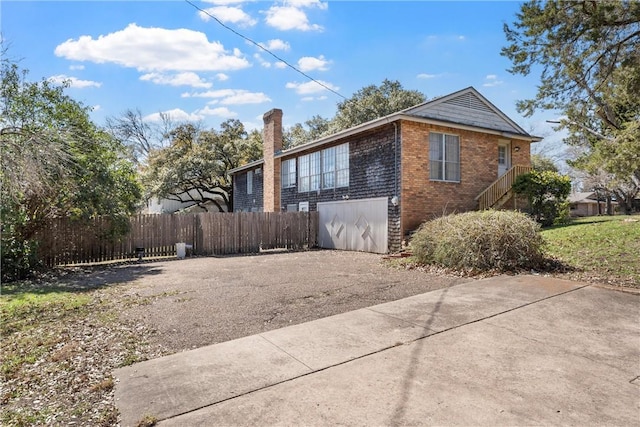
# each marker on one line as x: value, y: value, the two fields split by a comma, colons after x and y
x: 354, y: 225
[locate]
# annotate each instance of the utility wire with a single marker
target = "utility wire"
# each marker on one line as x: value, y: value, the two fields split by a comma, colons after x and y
x: 266, y: 50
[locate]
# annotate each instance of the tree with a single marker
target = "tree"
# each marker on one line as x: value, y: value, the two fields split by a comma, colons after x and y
x: 372, y: 102
x: 195, y: 167
x: 316, y: 127
x: 139, y: 135
x: 547, y: 194
x: 590, y: 72
x: 541, y: 162
x: 55, y: 163
x: 369, y: 103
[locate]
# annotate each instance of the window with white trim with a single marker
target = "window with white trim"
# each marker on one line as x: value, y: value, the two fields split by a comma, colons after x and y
x: 250, y: 182
x: 342, y: 165
x: 288, y: 173
x: 309, y: 172
x: 502, y: 155
x: 329, y: 168
x: 324, y: 169
x: 444, y: 157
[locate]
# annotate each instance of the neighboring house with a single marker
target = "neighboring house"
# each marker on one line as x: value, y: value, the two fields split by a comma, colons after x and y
x: 375, y: 183
x: 169, y: 206
x: 588, y: 204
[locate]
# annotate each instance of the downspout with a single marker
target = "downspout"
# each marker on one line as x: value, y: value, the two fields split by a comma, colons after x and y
x: 395, y: 158
x: 395, y: 179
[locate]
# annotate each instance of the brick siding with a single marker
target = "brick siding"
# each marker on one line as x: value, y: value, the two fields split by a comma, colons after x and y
x: 423, y: 199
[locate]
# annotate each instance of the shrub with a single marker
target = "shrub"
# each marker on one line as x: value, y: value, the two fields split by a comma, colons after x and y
x: 17, y: 254
x: 547, y: 194
x: 480, y: 241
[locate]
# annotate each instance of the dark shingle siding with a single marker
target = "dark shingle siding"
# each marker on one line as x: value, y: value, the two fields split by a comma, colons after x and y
x: 371, y: 175
x: 243, y: 202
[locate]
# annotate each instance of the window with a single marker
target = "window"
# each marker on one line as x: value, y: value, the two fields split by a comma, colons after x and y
x: 342, y: 165
x: 288, y: 173
x: 309, y: 172
x: 250, y: 182
x: 444, y: 157
x: 329, y: 168
x: 324, y: 169
x: 314, y: 170
x: 502, y: 155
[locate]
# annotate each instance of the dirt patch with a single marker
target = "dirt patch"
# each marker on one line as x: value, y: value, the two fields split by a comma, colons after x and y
x: 200, y: 301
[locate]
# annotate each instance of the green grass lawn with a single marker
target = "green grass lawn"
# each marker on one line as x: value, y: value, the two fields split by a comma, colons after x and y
x: 606, y: 246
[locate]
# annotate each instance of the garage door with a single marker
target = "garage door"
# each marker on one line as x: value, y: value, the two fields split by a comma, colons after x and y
x: 354, y: 225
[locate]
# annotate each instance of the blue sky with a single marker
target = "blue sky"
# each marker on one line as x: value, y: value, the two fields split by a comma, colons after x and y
x: 166, y: 56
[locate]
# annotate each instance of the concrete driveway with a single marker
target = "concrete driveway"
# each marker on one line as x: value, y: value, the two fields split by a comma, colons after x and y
x: 510, y: 350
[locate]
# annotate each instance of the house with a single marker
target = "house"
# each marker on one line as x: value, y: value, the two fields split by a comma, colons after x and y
x: 375, y: 183
x: 187, y: 204
x: 588, y: 204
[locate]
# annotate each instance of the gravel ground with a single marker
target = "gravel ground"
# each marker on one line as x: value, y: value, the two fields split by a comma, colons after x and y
x: 200, y: 301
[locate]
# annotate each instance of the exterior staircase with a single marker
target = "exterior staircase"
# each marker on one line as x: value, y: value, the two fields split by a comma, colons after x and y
x: 500, y: 192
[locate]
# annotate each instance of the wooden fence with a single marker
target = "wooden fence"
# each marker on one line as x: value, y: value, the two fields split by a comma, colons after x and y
x: 68, y: 242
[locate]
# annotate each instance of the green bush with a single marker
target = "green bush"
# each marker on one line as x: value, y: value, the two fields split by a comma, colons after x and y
x: 547, y: 194
x: 17, y: 255
x: 480, y: 241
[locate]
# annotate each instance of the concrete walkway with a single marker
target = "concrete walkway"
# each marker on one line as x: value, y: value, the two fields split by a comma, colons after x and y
x: 510, y: 350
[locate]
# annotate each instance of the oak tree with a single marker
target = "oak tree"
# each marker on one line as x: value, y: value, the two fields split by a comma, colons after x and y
x: 195, y: 166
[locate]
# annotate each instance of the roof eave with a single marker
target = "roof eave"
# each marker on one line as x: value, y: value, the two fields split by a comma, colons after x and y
x: 249, y: 165
x: 510, y: 135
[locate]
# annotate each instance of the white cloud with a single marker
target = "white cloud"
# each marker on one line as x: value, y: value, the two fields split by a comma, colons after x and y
x: 153, y: 49
x: 187, y: 78
x: 311, y: 87
x: 228, y: 14
x: 308, y: 3
x: 223, y: 112
x: 492, y: 81
x: 245, y: 97
x: 76, y: 67
x: 220, y: 93
x: 96, y: 107
x: 281, y: 65
x: 261, y: 61
x: 230, y: 96
x: 313, y: 98
x: 429, y: 76
x: 287, y: 18
x: 176, y: 114
x: 222, y: 77
x: 73, y: 81
x: 309, y: 63
x: 276, y: 44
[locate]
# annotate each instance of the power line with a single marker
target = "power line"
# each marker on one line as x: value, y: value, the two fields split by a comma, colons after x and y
x: 266, y: 50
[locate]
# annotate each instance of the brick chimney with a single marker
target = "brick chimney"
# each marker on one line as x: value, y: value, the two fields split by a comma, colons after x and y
x: 272, y: 144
